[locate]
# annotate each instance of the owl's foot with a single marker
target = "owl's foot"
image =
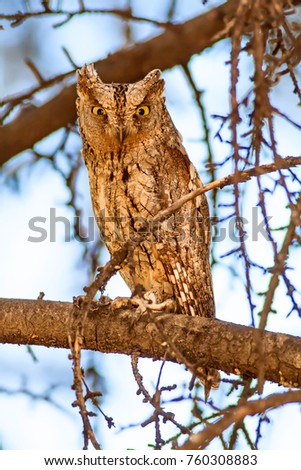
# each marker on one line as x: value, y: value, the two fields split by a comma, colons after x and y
x: 168, y: 305
x: 121, y: 302
x: 148, y: 303
x: 144, y: 304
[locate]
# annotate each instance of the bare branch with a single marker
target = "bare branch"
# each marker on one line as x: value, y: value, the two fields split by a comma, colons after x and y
x: 239, y: 177
x: 277, y: 270
x: 237, y: 414
x: 16, y: 19
x: 80, y: 401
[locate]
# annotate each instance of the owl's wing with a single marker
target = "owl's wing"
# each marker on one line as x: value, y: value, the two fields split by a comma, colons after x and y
x: 185, y: 253
x: 182, y: 243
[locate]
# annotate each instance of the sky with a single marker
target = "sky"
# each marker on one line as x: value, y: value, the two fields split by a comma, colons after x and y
x: 56, y: 267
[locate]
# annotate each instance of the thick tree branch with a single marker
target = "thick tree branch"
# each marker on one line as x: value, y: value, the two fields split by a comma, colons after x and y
x: 175, y: 46
x: 226, y: 346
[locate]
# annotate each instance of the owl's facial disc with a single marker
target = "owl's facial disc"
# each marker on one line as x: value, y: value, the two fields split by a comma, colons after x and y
x: 131, y: 123
x: 122, y: 125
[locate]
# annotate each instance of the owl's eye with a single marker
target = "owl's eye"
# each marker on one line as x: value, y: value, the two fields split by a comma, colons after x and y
x: 142, y: 111
x: 98, y: 110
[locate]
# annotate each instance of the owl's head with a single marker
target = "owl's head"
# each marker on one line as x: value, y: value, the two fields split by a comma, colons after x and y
x: 117, y: 113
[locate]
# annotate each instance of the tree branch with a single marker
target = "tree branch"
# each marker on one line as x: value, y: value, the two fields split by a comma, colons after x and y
x: 202, y: 341
x: 234, y: 178
x: 175, y: 46
x: 237, y: 414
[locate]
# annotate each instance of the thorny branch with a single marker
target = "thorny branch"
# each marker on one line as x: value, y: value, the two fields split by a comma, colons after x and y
x: 80, y: 402
x: 280, y: 262
x: 278, y: 270
x: 270, y: 43
x: 155, y: 401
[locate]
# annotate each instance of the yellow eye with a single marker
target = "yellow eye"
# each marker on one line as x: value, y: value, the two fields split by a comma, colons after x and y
x: 142, y: 111
x: 98, y: 110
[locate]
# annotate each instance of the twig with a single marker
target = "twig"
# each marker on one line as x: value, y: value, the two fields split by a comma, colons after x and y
x: 239, y: 177
x: 17, y: 18
x: 80, y: 402
x: 155, y: 401
x: 279, y: 266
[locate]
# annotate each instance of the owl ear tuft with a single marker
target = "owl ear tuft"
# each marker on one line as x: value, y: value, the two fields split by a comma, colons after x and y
x: 153, y: 75
x: 87, y: 78
x: 153, y: 82
x: 150, y: 85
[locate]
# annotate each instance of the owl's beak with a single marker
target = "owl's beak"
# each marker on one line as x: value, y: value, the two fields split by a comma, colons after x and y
x: 121, y: 133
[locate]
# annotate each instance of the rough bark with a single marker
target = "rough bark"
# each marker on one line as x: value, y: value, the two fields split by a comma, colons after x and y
x: 201, y: 341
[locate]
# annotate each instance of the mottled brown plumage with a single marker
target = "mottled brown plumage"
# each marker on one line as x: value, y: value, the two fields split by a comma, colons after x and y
x: 137, y: 166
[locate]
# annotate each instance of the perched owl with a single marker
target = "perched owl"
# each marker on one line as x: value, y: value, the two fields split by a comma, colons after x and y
x: 138, y: 166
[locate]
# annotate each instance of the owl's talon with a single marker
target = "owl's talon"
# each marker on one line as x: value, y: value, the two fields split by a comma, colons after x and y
x: 78, y: 301
x: 141, y: 303
x: 104, y: 300
x: 168, y: 305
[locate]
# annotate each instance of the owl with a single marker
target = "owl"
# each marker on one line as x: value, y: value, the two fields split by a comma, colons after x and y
x: 137, y: 166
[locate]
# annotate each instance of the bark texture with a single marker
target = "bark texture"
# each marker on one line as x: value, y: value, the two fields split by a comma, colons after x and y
x: 201, y: 341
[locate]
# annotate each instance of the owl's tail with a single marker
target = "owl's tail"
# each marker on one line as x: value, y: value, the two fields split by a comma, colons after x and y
x: 211, y: 379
